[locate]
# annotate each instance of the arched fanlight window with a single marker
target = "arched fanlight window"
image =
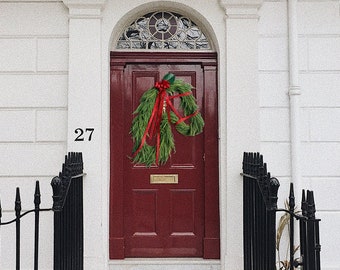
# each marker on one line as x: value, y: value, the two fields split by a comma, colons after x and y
x: 163, y: 30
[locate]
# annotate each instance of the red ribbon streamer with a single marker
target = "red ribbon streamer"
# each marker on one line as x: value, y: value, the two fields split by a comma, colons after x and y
x: 162, y: 104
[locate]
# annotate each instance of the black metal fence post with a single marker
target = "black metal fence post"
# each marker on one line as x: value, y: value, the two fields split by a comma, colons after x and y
x: 271, y: 227
x: 17, y: 226
x: 302, y: 228
x: 68, y: 222
x: 317, y: 245
x: 291, y: 205
x: 37, y: 202
x: 259, y: 220
x: 68, y: 214
x: 0, y: 213
x: 313, y: 242
x: 248, y: 202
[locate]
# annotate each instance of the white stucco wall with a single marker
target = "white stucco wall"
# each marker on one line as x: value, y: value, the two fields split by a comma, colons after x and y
x: 319, y: 65
x: 34, y: 118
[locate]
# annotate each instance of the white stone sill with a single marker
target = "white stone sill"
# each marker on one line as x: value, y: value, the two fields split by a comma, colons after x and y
x: 165, y: 261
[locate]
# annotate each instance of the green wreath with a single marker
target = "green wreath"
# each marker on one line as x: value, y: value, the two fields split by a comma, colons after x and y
x: 151, y: 127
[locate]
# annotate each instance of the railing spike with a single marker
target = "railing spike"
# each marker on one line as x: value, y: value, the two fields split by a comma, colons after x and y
x: 310, y: 205
x: 291, y: 197
x: 37, y: 195
x: 265, y: 168
x: 63, y: 170
x: 17, y: 221
x: 17, y: 202
x: 257, y: 158
x: 304, y: 204
x: 0, y: 212
x: 244, y: 160
x: 37, y: 201
x: 247, y: 166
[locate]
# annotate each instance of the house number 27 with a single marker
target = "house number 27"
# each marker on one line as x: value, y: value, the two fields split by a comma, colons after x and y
x: 83, y: 134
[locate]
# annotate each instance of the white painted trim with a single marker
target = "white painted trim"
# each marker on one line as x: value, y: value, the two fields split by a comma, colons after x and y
x: 294, y: 92
x: 85, y: 9
x: 242, y: 11
x: 84, y: 93
x: 239, y: 59
x: 277, y: 1
x: 30, y: 1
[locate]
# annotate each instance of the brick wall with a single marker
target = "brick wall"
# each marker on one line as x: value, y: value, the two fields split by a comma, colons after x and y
x: 319, y: 59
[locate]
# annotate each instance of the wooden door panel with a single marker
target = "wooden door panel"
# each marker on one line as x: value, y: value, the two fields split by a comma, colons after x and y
x: 142, y: 81
x: 144, y: 212
x: 184, y: 158
x: 160, y: 220
x: 182, y: 219
x: 187, y: 154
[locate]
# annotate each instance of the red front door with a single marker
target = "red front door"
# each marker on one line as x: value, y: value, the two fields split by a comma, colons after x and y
x: 164, y: 219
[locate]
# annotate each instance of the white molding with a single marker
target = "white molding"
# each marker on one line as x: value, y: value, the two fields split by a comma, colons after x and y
x: 241, y: 91
x: 85, y: 4
x: 241, y: 10
x: 316, y: 1
x: 85, y: 9
x: 30, y: 1
x: 294, y: 90
x: 242, y: 13
x: 85, y: 110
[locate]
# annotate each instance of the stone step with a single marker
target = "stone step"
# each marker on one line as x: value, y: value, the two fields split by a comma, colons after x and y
x: 165, y: 264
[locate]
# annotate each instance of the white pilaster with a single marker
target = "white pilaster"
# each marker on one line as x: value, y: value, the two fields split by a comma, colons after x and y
x: 243, y: 114
x: 294, y: 93
x: 84, y: 112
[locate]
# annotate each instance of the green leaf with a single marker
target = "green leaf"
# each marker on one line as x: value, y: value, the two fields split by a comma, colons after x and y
x: 169, y: 77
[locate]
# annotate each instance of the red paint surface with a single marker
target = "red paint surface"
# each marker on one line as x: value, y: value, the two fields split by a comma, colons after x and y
x: 164, y: 220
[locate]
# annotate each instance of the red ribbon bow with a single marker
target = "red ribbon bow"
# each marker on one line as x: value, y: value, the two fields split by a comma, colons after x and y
x: 162, y: 85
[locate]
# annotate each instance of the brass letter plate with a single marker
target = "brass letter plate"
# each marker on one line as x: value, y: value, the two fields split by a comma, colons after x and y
x: 163, y: 178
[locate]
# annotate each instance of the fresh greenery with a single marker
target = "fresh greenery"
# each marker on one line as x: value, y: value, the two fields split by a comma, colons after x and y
x: 146, y: 153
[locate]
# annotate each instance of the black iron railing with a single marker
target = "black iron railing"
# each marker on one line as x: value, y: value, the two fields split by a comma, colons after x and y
x: 309, y: 234
x: 260, y: 203
x: 17, y: 219
x: 259, y: 220
x: 68, y: 214
x: 68, y: 217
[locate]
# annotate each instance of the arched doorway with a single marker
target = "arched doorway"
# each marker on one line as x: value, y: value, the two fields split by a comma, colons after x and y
x: 168, y: 219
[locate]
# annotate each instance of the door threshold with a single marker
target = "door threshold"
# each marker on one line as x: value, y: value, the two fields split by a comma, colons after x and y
x: 180, y: 261
x: 165, y: 264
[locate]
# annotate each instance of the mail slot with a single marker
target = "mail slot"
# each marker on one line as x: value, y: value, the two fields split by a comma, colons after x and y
x: 164, y: 179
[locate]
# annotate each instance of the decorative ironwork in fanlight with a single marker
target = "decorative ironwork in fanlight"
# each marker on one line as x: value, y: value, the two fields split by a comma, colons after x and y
x: 163, y: 30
